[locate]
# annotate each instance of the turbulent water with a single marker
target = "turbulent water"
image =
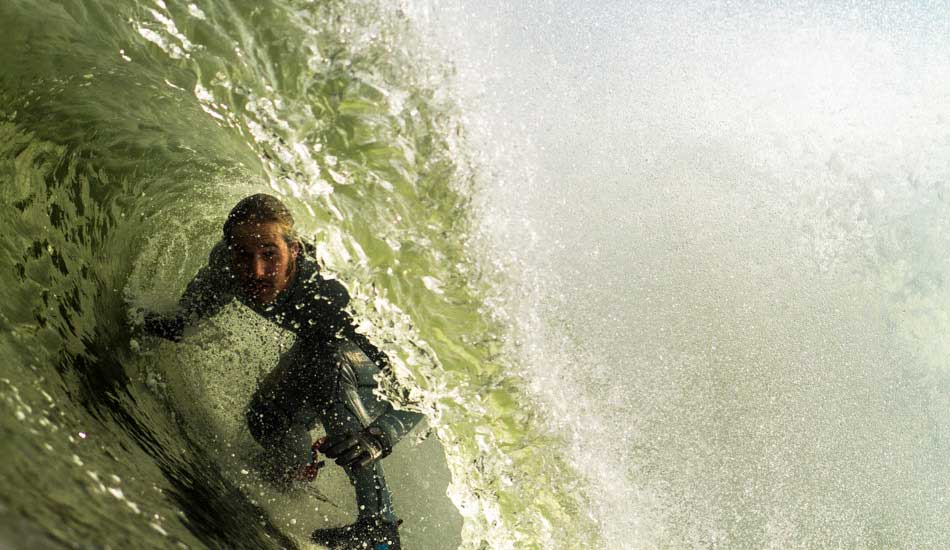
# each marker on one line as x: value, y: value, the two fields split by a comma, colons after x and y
x: 733, y: 224
x: 128, y: 131
x: 672, y: 276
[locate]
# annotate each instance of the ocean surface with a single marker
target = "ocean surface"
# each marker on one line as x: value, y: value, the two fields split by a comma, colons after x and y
x: 658, y: 276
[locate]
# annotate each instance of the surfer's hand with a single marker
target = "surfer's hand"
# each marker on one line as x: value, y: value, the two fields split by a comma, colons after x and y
x: 359, y: 449
x: 308, y: 472
x: 167, y: 327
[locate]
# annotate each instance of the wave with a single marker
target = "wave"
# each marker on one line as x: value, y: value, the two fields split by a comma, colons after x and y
x: 128, y: 130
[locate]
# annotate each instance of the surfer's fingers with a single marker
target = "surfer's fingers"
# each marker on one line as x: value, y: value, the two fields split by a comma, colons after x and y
x: 341, y: 447
x: 350, y: 457
x: 364, y: 460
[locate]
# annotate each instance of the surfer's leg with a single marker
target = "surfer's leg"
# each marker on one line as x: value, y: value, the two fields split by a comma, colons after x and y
x: 283, y: 409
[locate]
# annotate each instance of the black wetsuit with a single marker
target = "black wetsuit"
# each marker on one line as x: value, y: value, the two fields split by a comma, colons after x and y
x: 328, y: 376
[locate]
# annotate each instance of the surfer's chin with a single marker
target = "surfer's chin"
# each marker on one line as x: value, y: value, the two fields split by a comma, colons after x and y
x: 262, y: 296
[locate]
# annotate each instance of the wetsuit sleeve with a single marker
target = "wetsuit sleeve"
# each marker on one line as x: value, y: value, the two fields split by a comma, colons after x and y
x: 394, y: 424
x: 340, y: 322
x: 390, y: 425
x: 204, y: 296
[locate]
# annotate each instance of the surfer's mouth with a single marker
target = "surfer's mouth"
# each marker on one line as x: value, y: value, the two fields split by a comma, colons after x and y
x: 258, y: 288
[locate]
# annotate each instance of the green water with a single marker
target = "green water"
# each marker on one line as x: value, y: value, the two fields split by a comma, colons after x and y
x: 127, y: 131
x: 658, y: 275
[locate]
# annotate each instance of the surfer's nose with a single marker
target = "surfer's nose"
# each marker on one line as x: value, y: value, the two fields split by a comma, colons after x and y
x: 259, y: 268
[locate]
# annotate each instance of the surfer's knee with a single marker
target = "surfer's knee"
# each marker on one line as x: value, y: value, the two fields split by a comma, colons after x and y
x: 265, y: 420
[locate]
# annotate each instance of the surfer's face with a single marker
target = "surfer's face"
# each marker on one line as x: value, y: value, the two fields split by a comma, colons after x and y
x: 265, y: 264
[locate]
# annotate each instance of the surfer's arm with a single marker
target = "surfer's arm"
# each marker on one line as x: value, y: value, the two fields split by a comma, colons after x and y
x: 169, y: 327
x: 376, y: 441
x: 334, y: 298
x: 204, y: 296
x: 394, y: 424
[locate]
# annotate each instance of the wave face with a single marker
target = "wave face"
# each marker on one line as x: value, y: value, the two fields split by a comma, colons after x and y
x: 127, y: 131
x: 725, y: 232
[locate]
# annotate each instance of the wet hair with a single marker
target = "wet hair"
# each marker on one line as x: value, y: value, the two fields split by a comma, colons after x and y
x: 258, y: 209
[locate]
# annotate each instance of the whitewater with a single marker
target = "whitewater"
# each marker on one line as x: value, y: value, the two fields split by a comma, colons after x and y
x: 658, y: 276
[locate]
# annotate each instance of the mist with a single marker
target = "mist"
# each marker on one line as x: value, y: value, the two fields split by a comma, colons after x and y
x: 730, y: 227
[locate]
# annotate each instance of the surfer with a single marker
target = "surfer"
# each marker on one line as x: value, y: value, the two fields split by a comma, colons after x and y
x: 327, y: 376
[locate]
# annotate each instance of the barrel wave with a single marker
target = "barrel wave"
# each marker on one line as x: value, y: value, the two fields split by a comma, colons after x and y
x: 127, y: 131
x: 658, y: 275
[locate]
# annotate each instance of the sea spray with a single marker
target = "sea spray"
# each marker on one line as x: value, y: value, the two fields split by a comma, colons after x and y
x: 732, y: 227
